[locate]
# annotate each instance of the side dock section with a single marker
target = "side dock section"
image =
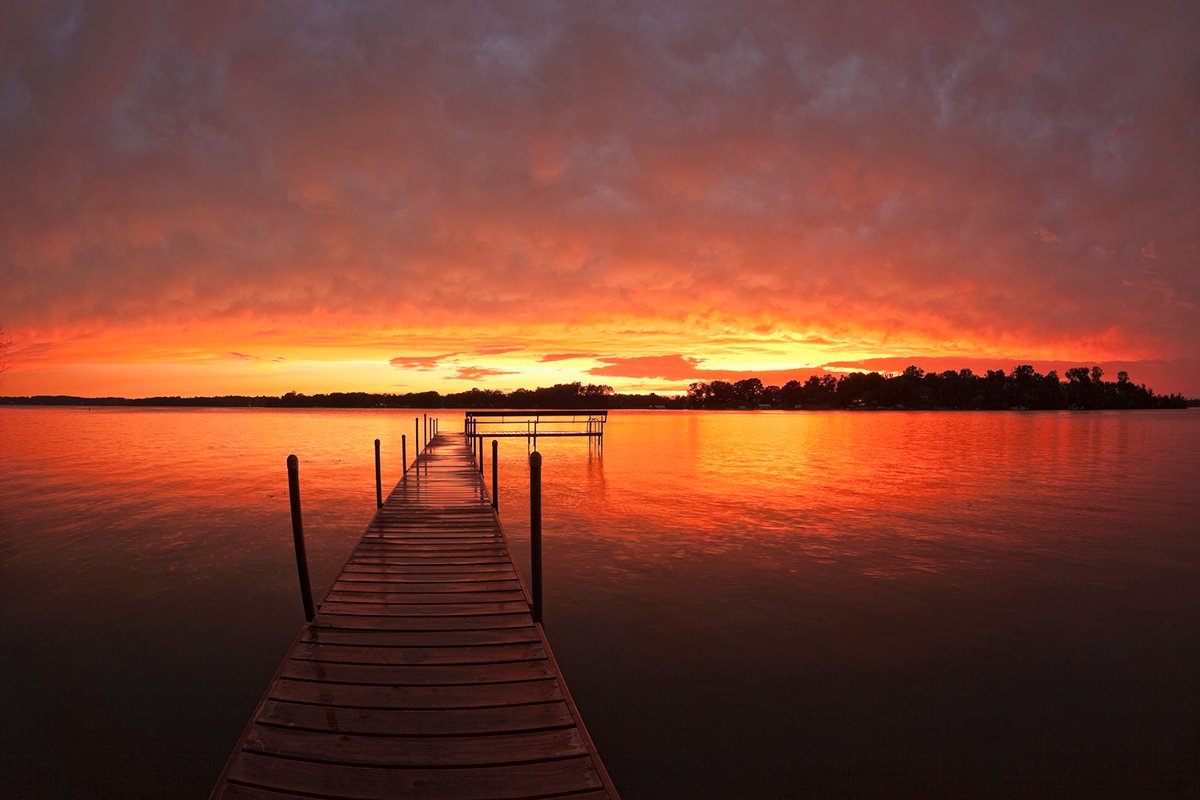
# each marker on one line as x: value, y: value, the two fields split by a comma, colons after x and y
x: 423, y: 674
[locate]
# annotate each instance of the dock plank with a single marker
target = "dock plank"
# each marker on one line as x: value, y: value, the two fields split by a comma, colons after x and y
x: 462, y: 751
x: 445, y: 783
x: 423, y: 674
x: 474, y: 695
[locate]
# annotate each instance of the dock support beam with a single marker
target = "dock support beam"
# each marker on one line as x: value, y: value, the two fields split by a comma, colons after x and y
x: 403, y: 454
x: 293, y: 467
x: 535, y: 532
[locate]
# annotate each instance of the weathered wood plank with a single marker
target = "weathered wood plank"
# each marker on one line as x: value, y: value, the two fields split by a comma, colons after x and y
x: 359, y: 585
x: 430, y: 610
x: 416, y: 722
x: 392, y: 674
x: 376, y: 783
x: 419, y: 638
x: 476, y: 695
x: 490, y: 569
x: 459, y: 751
x: 386, y: 623
x: 340, y: 595
x: 439, y: 561
x: 417, y: 656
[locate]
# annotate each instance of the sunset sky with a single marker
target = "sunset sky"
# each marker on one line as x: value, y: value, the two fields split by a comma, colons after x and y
x: 212, y: 198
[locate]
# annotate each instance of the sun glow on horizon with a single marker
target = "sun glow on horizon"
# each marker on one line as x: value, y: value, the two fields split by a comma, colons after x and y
x: 215, y: 359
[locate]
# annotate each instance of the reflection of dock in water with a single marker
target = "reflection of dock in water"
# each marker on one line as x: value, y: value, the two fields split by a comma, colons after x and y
x: 423, y: 673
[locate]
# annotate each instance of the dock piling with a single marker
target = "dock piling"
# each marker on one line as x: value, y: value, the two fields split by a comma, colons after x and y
x: 481, y: 454
x: 535, y: 531
x: 403, y: 454
x: 496, y: 474
x: 293, y: 468
x: 378, y: 479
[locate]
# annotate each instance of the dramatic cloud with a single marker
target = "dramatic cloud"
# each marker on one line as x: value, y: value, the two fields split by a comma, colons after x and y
x: 478, y: 373
x: 498, y: 350
x: 670, y: 368
x: 682, y: 368
x: 421, y: 362
x: 549, y: 357
x: 741, y: 185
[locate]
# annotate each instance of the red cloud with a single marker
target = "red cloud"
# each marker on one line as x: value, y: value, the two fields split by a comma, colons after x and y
x: 420, y: 362
x: 681, y: 368
x: 478, y: 373
x: 499, y: 349
x: 566, y: 356
x: 671, y: 368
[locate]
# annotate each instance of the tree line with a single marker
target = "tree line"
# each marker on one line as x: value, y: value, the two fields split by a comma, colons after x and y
x: 1023, y: 388
x: 562, y: 395
x: 914, y: 388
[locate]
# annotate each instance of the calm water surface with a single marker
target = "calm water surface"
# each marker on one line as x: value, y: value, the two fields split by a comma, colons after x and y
x: 746, y: 605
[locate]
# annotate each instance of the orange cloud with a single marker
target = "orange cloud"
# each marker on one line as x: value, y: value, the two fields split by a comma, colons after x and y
x: 479, y: 373
x: 421, y: 362
x: 549, y: 357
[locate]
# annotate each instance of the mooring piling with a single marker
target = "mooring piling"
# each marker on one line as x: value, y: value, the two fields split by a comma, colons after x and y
x: 378, y: 479
x: 535, y: 531
x: 496, y: 474
x: 293, y: 468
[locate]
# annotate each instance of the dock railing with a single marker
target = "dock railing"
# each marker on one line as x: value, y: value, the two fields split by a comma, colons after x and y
x: 532, y: 424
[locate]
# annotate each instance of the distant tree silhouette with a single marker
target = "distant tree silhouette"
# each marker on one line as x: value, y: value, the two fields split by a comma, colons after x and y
x: 748, y: 392
x: 913, y: 388
x: 1024, y: 388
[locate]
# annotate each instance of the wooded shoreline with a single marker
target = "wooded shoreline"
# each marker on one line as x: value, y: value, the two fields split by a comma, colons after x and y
x: 913, y: 389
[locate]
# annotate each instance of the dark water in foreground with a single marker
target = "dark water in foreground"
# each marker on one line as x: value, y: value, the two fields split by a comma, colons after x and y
x: 744, y: 604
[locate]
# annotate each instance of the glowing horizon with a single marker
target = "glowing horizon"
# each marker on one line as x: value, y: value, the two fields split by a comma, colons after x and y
x: 221, y: 200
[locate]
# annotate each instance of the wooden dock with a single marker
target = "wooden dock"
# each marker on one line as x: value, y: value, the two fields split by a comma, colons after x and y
x: 423, y: 674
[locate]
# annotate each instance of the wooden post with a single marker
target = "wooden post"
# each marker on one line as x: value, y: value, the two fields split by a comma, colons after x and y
x: 481, y: 454
x: 378, y: 479
x: 293, y: 468
x: 416, y: 437
x: 403, y: 454
x: 496, y: 474
x: 426, y: 439
x: 535, y: 531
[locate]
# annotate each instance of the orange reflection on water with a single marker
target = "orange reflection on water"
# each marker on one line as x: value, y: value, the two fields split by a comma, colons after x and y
x: 886, y: 493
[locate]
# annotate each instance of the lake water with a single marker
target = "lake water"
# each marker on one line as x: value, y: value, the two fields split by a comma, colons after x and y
x: 745, y: 605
